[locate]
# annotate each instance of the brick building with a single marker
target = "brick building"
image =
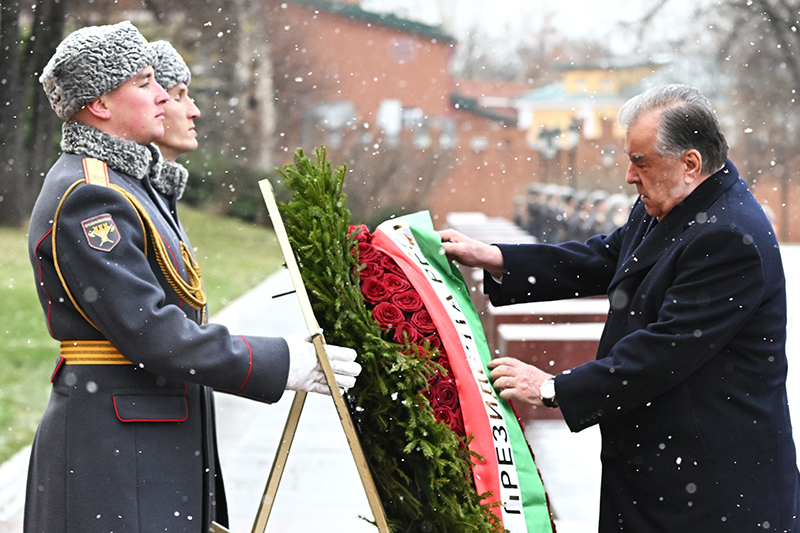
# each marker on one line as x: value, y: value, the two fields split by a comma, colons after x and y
x: 349, y: 79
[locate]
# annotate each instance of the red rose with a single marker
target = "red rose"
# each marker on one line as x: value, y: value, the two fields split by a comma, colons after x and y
x: 409, y: 301
x: 444, y: 362
x: 452, y: 418
x: 396, y: 283
x: 360, y: 232
x: 405, y: 328
x: 371, y: 270
x: 368, y: 253
x: 417, y: 351
x: 434, y: 341
x: 374, y: 290
x: 387, y: 315
x: 389, y: 265
x: 444, y: 393
x: 423, y: 322
x: 458, y: 426
x: 444, y: 415
x: 446, y: 372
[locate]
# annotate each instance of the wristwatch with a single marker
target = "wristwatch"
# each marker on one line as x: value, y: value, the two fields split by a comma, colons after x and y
x: 548, y: 392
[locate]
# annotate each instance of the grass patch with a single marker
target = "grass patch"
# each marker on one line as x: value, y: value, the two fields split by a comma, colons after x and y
x: 234, y: 256
x: 26, y: 350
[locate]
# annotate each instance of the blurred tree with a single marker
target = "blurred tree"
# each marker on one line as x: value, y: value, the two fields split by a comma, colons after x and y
x: 28, y: 128
x: 478, y: 58
x: 292, y: 59
x: 391, y: 180
x: 11, y: 175
x: 760, y: 45
x: 757, y: 46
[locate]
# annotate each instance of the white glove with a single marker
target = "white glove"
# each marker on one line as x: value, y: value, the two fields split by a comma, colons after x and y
x: 305, y: 372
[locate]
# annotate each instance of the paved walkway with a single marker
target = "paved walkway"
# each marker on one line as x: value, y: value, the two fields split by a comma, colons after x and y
x: 321, y: 490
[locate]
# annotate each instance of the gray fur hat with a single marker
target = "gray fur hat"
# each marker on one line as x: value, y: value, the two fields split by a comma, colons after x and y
x: 170, y: 67
x: 92, y: 61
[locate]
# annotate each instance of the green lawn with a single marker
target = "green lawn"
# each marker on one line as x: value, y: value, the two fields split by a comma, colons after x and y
x: 233, y: 256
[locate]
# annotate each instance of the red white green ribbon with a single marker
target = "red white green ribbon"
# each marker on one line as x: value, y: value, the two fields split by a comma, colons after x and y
x: 507, y: 470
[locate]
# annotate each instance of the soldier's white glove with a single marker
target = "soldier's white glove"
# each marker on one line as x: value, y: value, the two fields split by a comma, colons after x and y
x: 305, y: 372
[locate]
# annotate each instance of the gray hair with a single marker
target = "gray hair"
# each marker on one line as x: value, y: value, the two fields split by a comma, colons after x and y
x: 687, y: 122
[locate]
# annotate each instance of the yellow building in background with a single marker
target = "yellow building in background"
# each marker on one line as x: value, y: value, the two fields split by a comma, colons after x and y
x: 588, y: 97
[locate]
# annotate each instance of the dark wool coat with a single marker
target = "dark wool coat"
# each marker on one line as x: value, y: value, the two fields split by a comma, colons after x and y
x: 130, y: 447
x: 689, y: 385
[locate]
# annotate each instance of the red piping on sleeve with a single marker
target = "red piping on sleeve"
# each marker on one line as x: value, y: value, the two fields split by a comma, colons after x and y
x: 249, y: 370
x: 59, y: 362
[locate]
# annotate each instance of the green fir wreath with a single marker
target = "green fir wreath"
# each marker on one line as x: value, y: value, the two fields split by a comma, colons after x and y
x: 421, y: 467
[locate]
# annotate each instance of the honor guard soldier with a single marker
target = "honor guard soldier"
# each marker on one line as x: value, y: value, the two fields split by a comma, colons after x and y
x: 173, y: 75
x: 127, y: 441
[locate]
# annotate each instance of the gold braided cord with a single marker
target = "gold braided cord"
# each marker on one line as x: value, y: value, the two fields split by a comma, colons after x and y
x: 192, y: 291
x: 55, y: 254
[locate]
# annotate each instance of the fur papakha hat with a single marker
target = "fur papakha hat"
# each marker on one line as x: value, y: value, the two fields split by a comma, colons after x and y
x: 170, y: 67
x: 92, y: 61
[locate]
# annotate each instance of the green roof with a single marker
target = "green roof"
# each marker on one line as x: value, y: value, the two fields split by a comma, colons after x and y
x: 557, y: 92
x: 618, y: 63
x: 471, y: 105
x: 388, y: 20
x: 551, y: 91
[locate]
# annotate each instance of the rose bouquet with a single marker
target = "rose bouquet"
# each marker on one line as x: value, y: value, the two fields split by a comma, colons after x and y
x: 399, y: 310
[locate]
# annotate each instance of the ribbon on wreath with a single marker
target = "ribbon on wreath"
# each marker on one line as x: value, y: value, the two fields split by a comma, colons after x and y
x: 507, y: 470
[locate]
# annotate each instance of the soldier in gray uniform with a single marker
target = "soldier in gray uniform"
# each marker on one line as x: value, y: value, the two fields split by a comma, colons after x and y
x: 127, y: 441
x: 173, y: 75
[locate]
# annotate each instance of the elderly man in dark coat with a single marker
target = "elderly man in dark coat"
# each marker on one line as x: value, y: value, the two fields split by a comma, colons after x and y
x: 689, y: 384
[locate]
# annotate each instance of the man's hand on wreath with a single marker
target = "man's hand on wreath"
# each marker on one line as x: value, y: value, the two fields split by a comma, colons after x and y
x: 469, y: 252
x: 516, y: 380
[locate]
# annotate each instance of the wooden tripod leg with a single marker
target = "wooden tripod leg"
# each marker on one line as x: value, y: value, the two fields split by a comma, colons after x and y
x: 356, y: 450
x: 319, y: 344
x: 278, y: 467
x: 279, y: 464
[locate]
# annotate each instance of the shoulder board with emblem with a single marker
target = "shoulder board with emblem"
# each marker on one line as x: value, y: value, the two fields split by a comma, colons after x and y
x: 95, y: 172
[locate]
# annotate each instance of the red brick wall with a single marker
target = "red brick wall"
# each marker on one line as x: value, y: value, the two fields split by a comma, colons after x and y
x: 492, y: 180
x: 366, y: 63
